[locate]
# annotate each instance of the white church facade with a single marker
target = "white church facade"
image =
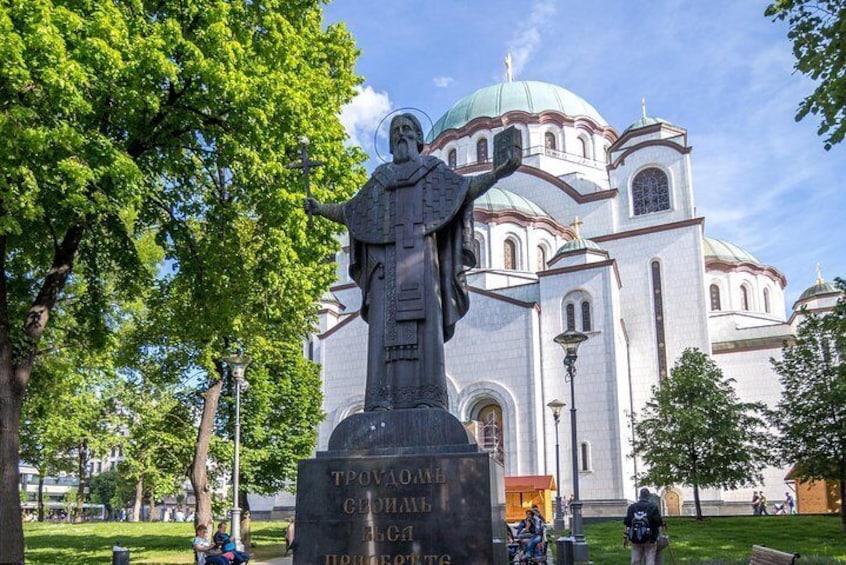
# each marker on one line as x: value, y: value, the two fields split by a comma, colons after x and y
x: 598, y: 232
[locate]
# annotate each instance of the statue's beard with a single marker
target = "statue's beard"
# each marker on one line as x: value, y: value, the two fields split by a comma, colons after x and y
x: 403, y: 151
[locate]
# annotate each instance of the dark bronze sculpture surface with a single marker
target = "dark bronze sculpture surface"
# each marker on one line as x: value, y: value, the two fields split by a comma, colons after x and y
x: 411, y: 243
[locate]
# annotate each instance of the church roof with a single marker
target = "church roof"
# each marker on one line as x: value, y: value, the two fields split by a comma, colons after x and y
x: 819, y: 289
x: 725, y: 251
x: 498, y: 200
x: 577, y: 245
x: 528, y: 96
x: 645, y: 122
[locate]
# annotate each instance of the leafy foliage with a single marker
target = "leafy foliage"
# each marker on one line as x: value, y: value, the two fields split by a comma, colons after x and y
x: 696, y: 432
x: 818, y: 33
x: 812, y: 412
x: 134, y: 131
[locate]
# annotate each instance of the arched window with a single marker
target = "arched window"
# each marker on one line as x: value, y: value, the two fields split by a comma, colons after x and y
x: 549, y: 140
x: 482, y: 150
x: 571, y: 316
x: 490, y: 431
x: 584, y: 457
x: 658, y: 312
x: 767, y: 300
x: 715, y: 298
x: 744, y: 298
x: 510, y: 254
x: 452, y: 158
x: 650, y: 191
x: 477, y: 249
x: 541, y: 258
x: 586, y: 322
x: 583, y: 146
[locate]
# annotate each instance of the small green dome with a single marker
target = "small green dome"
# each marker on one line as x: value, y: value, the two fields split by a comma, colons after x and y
x: 579, y: 244
x: 528, y: 96
x: 646, y: 121
x: 498, y: 200
x: 819, y: 289
x: 724, y: 251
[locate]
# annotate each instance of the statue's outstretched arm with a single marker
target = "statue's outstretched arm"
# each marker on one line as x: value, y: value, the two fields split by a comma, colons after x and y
x: 480, y: 184
x: 334, y: 212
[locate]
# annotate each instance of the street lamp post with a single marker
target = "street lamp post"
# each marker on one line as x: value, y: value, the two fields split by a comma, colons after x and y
x: 570, y: 341
x: 238, y: 365
x: 556, y: 406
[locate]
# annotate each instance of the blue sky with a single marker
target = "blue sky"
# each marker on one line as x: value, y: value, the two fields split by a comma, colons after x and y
x: 718, y: 68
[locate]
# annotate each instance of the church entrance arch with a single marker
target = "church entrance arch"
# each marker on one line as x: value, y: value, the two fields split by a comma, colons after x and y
x: 488, y: 417
x: 672, y: 502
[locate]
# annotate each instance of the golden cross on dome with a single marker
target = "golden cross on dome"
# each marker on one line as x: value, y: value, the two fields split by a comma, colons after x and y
x: 820, y: 280
x: 509, y: 72
x: 576, y: 225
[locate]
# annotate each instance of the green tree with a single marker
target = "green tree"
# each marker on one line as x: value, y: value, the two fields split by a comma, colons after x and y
x: 125, y: 118
x: 811, y: 414
x: 696, y: 432
x: 818, y: 32
x: 104, y: 489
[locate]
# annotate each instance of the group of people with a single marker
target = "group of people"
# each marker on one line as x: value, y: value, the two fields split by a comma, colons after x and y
x: 530, y: 533
x: 759, y: 504
x: 219, y: 550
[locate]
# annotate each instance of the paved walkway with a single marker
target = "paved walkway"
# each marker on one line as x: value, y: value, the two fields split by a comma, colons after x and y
x: 275, y: 561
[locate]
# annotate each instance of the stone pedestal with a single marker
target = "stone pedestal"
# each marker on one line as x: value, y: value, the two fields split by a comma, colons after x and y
x: 389, y: 492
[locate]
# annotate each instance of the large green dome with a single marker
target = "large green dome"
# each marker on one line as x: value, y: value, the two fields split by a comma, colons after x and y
x: 499, y: 200
x: 725, y: 251
x: 528, y: 96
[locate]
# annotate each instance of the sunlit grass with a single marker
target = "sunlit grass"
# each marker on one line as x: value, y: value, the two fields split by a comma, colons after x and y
x: 148, y: 542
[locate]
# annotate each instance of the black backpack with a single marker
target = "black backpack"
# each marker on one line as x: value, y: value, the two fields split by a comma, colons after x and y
x: 640, y: 532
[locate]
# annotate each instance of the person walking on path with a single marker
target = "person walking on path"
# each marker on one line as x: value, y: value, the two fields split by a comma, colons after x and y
x: 643, y: 522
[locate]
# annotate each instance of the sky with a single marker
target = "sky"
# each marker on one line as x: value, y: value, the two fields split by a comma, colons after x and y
x: 719, y: 69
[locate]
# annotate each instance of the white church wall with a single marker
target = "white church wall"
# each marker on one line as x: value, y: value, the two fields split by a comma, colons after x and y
x: 595, y: 383
x: 485, y: 349
x: 685, y: 313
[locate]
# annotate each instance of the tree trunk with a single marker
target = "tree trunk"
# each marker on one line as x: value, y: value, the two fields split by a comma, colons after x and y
x: 82, y: 456
x: 15, y: 372
x: 40, y: 496
x: 842, y: 482
x: 244, y: 503
x: 11, y: 524
x: 139, y: 499
x: 197, y: 471
x: 696, y: 501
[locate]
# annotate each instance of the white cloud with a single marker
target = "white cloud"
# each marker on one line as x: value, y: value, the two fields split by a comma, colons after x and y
x: 527, y: 36
x: 442, y: 82
x: 362, y: 115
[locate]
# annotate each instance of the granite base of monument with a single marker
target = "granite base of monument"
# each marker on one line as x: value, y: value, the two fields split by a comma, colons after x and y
x: 373, y: 499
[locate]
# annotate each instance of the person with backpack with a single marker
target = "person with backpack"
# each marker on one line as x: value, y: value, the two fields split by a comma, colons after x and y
x: 227, y: 547
x: 643, y: 522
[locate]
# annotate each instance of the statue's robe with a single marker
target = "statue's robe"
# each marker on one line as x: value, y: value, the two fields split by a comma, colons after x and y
x: 411, y: 243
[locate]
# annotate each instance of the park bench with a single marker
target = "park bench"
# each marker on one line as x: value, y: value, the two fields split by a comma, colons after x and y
x: 763, y: 555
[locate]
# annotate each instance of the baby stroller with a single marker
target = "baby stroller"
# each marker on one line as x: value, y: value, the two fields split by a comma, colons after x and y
x: 780, y: 510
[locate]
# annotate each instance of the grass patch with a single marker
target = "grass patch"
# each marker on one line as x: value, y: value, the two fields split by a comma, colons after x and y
x: 160, y: 543
x: 715, y: 541
x: 729, y: 540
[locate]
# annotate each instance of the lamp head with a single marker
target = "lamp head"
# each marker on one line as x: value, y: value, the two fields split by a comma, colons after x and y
x: 556, y: 406
x: 570, y: 341
x: 238, y: 363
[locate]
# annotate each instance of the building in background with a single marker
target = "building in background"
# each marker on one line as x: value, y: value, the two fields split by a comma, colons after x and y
x: 597, y: 231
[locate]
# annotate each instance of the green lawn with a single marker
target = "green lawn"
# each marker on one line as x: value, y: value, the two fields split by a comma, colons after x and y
x: 717, y: 541
x: 154, y: 542
x: 729, y: 541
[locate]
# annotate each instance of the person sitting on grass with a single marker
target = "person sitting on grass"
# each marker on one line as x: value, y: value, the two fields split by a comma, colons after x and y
x: 206, y: 552
x: 225, y: 544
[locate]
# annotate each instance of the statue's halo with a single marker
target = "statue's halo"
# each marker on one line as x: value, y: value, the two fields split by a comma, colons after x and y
x: 404, y: 110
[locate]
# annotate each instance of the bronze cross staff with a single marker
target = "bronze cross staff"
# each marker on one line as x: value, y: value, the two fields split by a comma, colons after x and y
x: 306, y: 165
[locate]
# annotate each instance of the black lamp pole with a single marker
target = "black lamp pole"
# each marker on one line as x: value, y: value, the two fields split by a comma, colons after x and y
x: 570, y: 341
x: 556, y: 406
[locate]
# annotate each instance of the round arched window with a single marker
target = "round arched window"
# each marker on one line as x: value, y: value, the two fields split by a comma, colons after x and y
x: 650, y: 191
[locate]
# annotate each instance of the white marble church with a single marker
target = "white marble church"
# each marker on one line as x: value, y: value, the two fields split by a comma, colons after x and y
x: 597, y: 231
